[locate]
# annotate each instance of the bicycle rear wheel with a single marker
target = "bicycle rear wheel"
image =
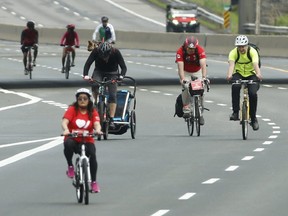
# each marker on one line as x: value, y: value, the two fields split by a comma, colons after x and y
x: 67, y: 66
x: 197, y: 115
x: 85, y: 181
x: 133, y: 123
x: 244, y: 120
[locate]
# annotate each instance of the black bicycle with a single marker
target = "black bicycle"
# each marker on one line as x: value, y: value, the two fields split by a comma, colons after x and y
x: 196, y: 90
x: 68, y: 60
x: 103, y: 106
x: 29, y: 67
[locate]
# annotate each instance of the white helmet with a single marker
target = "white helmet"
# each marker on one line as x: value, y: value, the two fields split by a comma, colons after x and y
x: 83, y: 91
x: 241, y: 40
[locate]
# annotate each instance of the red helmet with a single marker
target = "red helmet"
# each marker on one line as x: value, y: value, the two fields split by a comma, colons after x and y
x: 70, y: 26
x: 190, y: 42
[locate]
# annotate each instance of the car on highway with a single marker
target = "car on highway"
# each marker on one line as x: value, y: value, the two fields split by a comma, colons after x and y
x: 182, y: 18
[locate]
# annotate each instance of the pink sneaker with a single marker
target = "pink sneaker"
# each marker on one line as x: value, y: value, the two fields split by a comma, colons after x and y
x: 95, y: 187
x: 70, y: 172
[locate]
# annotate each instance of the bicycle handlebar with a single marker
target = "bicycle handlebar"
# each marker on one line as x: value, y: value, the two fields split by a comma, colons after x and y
x: 240, y: 81
x: 80, y: 134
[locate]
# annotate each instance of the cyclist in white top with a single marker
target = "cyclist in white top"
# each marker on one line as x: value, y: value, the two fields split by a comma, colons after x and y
x: 104, y: 32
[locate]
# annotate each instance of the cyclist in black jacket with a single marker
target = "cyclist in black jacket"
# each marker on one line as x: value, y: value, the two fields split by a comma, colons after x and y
x: 107, y: 61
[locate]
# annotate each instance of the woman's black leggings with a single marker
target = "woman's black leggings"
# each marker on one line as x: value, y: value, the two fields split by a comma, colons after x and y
x: 71, y: 146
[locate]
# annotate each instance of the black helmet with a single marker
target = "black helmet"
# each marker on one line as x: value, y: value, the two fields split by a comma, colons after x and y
x: 30, y: 24
x: 104, y: 19
x: 104, y: 50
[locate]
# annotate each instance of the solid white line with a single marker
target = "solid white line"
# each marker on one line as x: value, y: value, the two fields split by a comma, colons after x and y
x: 246, y: 158
x: 231, y: 168
x: 135, y: 14
x: 211, y: 181
x: 186, y: 196
x: 26, y: 142
x: 30, y: 152
x: 32, y: 99
x: 160, y: 212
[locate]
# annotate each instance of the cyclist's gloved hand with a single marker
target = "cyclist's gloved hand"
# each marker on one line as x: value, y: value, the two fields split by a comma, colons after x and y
x: 35, y: 46
x: 77, y: 46
x: 86, y: 77
x: 206, y: 81
x: 120, y: 78
x: 62, y: 45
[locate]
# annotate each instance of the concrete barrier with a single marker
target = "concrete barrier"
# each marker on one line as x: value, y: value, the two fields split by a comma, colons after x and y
x: 270, y: 45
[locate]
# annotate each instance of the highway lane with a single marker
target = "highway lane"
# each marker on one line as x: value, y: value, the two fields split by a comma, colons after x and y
x: 128, y: 15
x: 218, y: 173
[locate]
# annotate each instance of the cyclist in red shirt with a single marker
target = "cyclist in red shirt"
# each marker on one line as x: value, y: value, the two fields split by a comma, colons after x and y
x: 81, y: 115
x: 29, y: 37
x: 69, y: 38
x: 191, y: 62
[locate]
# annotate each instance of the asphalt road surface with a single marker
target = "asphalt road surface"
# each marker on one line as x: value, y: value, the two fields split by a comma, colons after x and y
x: 164, y: 171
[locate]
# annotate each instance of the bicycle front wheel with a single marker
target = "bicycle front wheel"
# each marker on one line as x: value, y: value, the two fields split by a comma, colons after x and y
x: 197, y: 115
x: 85, y: 181
x: 67, y: 66
x: 79, y: 187
x: 244, y: 120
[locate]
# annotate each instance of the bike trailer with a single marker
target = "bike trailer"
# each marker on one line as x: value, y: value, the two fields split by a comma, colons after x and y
x: 122, y: 115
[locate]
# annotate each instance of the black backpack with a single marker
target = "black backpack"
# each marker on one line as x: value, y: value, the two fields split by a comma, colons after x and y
x: 249, y: 55
x: 179, y: 106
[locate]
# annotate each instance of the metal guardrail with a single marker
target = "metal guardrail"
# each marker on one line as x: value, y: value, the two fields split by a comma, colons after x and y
x: 267, y: 28
x: 211, y: 16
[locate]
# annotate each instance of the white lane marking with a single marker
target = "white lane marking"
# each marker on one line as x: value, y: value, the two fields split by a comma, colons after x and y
x: 222, y: 104
x: 26, y: 142
x: 273, y: 137
x: 186, y: 196
x: 259, y: 149
x: 231, y: 168
x: 30, y: 152
x: 264, y: 119
x: 268, y: 86
x: 282, y: 88
x: 135, y: 14
x: 246, y: 158
x: 276, y: 127
x: 32, y: 99
x: 271, y: 123
x: 211, y: 181
x: 160, y: 212
x: 156, y: 92
x: 267, y: 142
x: 276, y: 132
